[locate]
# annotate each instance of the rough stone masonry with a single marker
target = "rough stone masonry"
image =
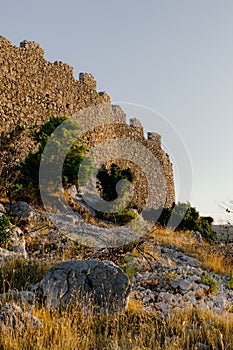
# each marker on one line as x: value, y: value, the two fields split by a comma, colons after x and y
x: 33, y: 90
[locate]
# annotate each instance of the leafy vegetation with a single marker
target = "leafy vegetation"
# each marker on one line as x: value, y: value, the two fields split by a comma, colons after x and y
x: 130, y: 266
x: 121, y: 217
x: 211, y: 282
x: 183, y: 217
x: 27, y: 188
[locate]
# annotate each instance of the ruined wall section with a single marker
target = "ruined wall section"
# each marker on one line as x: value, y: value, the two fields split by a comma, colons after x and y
x: 32, y: 90
x: 135, y: 132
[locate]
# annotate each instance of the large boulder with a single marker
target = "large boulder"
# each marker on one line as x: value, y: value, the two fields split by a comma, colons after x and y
x: 101, y: 284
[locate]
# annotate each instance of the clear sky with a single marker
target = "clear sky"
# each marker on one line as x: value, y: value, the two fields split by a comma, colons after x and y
x: 174, y: 56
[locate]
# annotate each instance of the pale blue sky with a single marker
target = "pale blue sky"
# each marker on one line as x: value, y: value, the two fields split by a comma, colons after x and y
x: 174, y: 56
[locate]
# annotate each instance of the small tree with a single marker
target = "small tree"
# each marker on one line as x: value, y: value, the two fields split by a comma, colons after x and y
x: 28, y: 186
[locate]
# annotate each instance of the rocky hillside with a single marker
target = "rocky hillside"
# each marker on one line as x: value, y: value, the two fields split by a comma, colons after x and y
x: 160, y: 274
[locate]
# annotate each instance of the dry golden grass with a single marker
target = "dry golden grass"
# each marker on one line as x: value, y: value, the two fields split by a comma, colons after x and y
x: 126, y: 330
x: 135, y: 305
x: 18, y: 274
x: 185, y: 242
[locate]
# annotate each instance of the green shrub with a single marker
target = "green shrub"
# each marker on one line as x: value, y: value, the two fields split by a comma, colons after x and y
x: 121, y: 218
x: 183, y: 217
x: 5, y: 231
x: 130, y: 265
x: 192, y: 221
x: 27, y: 188
x: 211, y: 282
x: 160, y: 215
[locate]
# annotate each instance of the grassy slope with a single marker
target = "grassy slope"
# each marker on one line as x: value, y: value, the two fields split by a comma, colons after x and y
x: 131, y: 329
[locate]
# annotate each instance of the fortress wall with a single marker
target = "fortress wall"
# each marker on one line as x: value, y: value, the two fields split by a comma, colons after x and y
x: 32, y: 90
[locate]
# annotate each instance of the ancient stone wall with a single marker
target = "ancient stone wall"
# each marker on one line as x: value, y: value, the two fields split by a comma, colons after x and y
x: 32, y: 90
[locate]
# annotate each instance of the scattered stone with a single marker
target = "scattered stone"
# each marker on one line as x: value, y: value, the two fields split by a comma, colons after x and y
x: 200, y: 293
x: 170, y: 282
x: 13, y: 317
x: 167, y: 298
x: 21, y: 298
x: 22, y: 209
x: 181, y: 285
x: 184, y: 289
x: 18, y: 243
x: 6, y: 255
x: 26, y: 214
x: 161, y: 306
